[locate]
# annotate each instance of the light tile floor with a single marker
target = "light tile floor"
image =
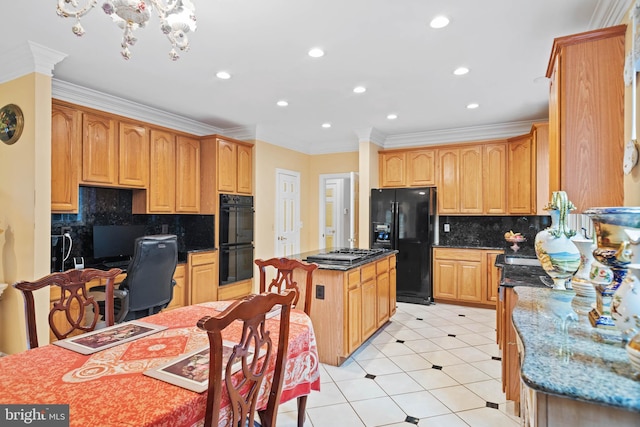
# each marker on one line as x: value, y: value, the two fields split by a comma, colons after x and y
x: 435, y: 365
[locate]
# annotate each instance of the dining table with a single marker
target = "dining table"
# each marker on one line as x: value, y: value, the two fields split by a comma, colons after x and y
x: 109, y: 387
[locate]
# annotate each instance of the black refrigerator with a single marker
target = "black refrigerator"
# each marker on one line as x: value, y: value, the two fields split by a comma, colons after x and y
x: 403, y: 219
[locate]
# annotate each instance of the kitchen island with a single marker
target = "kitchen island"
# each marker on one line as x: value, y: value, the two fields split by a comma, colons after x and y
x: 568, y: 377
x: 351, y: 301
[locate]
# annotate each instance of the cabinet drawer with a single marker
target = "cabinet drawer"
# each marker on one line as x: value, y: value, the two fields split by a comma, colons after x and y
x: 382, y: 266
x: 368, y: 272
x: 353, y: 278
x: 202, y: 258
x: 457, y: 254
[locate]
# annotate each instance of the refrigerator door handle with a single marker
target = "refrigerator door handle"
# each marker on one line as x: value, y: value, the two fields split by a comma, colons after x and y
x: 396, y: 224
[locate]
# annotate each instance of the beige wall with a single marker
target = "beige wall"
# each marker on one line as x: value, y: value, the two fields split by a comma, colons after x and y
x: 25, y: 200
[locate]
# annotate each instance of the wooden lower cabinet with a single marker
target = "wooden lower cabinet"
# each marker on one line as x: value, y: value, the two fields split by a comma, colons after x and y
x: 464, y: 276
x: 180, y: 296
x: 235, y: 290
x: 203, y: 276
x: 352, y: 306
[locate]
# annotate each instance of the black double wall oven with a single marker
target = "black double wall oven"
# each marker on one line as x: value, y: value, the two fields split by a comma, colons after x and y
x: 236, y: 238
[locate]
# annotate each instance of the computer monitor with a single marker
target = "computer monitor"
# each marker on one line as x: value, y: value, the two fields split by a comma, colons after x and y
x: 115, y: 241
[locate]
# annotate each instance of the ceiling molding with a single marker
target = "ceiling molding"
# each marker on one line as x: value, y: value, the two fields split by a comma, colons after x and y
x: 609, y: 13
x: 472, y: 133
x: 371, y: 135
x: 27, y: 58
x: 104, y: 102
x: 243, y: 133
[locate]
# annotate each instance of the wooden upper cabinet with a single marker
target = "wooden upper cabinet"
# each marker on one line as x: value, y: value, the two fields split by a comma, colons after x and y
x: 460, y: 180
x: 162, y: 180
x: 421, y: 168
x: 586, y: 117
x: 66, y: 153
x: 244, y: 169
x: 234, y: 166
x: 392, y: 169
x: 540, y: 136
x: 470, y: 178
x: 226, y: 165
x: 187, y: 163
x: 494, y: 191
x: 521, y: 176
x: 133, y: 155
x: 99, y: 151
x: 448, y: 181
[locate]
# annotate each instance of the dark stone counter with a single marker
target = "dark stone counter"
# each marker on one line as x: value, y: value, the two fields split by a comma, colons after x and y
x: 521, y: 275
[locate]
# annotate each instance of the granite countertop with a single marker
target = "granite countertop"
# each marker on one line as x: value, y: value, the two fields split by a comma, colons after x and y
x: 571, y: 364
x: 493, y: 248
x: 303, y: 256
x: 521, y: 275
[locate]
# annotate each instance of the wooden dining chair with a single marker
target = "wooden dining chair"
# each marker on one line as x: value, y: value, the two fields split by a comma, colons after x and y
x: 284, y: 268
x: 256, y: 339
x: 73, y: 302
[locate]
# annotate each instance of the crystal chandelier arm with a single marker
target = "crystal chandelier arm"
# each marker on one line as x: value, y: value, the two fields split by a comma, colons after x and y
x: 77, y: 11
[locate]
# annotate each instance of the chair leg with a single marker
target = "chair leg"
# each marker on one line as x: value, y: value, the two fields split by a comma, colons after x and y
x: 302, y: 408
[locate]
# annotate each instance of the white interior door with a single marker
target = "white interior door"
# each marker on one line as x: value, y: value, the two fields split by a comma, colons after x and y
x: 287, y: 213
x: 330, y: 213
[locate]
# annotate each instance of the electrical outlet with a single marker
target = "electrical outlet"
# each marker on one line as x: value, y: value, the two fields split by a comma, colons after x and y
x: 319, y: 291
x: 64, y: 230
x: 447, y: 228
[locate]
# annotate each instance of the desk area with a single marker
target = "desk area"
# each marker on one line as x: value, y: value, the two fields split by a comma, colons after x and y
x: 108, y: 388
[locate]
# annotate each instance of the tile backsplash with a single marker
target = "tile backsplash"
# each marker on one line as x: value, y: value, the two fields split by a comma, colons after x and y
x: 488, y: 231
x: 109, y: 206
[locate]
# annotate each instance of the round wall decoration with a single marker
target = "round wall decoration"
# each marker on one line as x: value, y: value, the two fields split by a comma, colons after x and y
x: 11, y: 123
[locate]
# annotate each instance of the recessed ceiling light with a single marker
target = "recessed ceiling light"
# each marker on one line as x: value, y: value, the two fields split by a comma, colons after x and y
x: 326, y: 125
x: 223, y: 75
x: 359, y: 89
x: 282, y: 103
x: 473, y: 105
x: 316, y: 52
x: 439, y: 22
x: 392, y: 116
x: 460, y: 71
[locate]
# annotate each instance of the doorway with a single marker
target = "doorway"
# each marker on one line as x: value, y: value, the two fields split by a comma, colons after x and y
x: 338, y: 209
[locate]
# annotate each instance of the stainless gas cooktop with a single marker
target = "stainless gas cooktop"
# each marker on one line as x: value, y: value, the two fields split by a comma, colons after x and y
x: 344, y: 256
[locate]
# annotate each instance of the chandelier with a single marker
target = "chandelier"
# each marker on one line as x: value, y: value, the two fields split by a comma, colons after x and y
x: 177, y: 18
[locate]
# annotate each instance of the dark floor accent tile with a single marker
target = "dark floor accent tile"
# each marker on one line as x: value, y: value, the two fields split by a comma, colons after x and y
x: 419, y: 318
x: 496, y: 358
x: 492, y: 405
x: 400, y: 341
x: 412, y: 420
x: 451, y: 335
x: 462, y: 315
x: 370, y: 376
x: 436, y: 367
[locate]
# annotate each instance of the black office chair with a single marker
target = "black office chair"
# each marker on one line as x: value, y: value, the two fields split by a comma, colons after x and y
x: 148, y: 287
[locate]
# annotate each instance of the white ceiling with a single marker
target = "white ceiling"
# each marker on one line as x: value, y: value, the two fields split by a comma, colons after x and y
x: 385, y: 45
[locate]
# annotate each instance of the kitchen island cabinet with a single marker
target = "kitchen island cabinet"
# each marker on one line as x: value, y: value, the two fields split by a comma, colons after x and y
x: 350, y: 304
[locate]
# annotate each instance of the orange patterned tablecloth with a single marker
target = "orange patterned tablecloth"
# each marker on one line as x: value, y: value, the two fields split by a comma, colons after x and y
x: 108, y: 388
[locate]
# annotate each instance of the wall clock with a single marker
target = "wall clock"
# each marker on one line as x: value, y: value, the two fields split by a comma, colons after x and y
x: 11, y: 123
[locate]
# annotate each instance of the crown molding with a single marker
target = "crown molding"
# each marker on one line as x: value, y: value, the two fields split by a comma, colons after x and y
x: 472, y: 133
x: 609, y: 13
x: 371, y: 135
x: 75, y: 94
x: 27, y: 58
x: 243, y: 133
